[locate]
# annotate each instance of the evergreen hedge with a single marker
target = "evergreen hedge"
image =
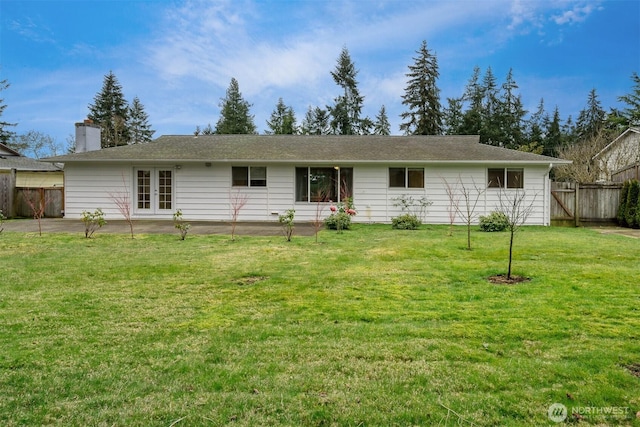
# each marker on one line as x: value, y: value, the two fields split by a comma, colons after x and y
x: 629, y: 208
x: 631, y: 212
x: 622, y: 208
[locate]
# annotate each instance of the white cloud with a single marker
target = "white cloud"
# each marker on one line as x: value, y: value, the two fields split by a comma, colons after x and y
x: 29, y: 29
x: 201, y: 45
x: 578, y: 13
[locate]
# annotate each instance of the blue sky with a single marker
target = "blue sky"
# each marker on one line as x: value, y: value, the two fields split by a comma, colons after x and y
x: 179, y: 56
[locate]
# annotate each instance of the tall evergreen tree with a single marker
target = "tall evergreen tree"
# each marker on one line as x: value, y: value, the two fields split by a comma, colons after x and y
x: 345, y: 112
x: 422, y: 96
x: 632, y: 112
x: 554, y: 138
x: 5, y: 134
x: 591, y: 119
x: 316, y: 122
x: 235, y: 117
x: 453, y: 116
x: 110, y: 110
x: 569, y: 130
x: 616, y: 120
x: 471, y: 123
x: 511, y: 114
x: 139, y: 127
x: 282, y: 120
x: 535, y: 129
x: 382, y: 125
x: 491, y: 129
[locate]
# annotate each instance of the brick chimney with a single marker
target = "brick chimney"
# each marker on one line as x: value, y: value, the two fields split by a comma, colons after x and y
x: 87, y: 136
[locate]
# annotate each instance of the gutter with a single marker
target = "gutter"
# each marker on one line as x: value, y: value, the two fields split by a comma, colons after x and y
x: 325, y: 161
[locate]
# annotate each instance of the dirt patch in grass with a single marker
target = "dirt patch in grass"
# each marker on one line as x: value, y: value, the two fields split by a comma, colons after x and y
x: 250, y: 280
x: 502, y: 279
x: 634, y: 369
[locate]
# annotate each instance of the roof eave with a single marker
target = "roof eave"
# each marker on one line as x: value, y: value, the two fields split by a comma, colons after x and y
x: 326, y: 161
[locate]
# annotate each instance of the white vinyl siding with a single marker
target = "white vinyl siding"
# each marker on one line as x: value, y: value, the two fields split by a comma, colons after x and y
x: 204, y: 192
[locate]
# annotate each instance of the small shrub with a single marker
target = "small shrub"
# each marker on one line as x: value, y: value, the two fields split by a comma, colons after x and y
x: 495, y: 221
x: 180, y: 224
x: 286, y: 221
x: 406, y: 222
x: 411, y: 206
x: 92, y: 221
x: 340, y: 218
x: 338, y: 221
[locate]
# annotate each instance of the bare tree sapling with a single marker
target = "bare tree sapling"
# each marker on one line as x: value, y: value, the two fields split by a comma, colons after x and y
x: 122, y: 200
x: 515, y: 206
x: 37, y: 202
x: 237, y: 201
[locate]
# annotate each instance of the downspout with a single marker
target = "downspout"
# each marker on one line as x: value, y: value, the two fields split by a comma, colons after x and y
x: 547, y: 196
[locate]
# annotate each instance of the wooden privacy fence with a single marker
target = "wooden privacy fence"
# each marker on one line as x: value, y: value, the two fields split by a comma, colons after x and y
x: 574, y: 203
x: 53, y: 200
x: 7, y: 190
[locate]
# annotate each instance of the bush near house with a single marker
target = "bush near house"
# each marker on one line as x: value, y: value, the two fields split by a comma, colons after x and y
x: 340, y: 218
x: 629, y: 207
x: 406, y: 222
x: 622, y: 208
x: 495, y: 221
x: 632, y: 208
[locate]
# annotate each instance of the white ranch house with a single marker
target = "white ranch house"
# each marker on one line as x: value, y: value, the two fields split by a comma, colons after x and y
x: 201, y: 175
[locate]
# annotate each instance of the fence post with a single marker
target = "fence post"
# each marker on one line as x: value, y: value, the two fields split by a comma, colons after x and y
x: 576, y: 209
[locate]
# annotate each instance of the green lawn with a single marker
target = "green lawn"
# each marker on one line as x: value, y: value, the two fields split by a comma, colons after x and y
x: 370, y: 327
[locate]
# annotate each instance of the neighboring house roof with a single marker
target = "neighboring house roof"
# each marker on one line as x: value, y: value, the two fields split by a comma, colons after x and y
x: 311, y: 149
x: 4, y: 150
x: 11, y: 159
x: 613, y: 143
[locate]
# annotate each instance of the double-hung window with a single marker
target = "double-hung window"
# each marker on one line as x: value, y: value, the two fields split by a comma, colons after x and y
x: 505, y: 178
x: 406, y: 177
x: 249, y: 176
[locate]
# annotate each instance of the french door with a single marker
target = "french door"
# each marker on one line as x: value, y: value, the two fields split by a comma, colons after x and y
x: 154, y: 190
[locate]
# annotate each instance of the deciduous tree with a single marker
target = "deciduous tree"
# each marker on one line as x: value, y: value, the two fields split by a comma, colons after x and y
x: 237, y: 202
x: 465, y: 203
x: 122, y: 200
x: 584, y: 168
x: 35, y: 144
x: 37, y: 200
x: 517, y: 208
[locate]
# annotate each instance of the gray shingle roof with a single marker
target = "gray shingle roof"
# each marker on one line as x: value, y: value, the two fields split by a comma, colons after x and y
x: 310, y: 149
x: 21, y: 163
